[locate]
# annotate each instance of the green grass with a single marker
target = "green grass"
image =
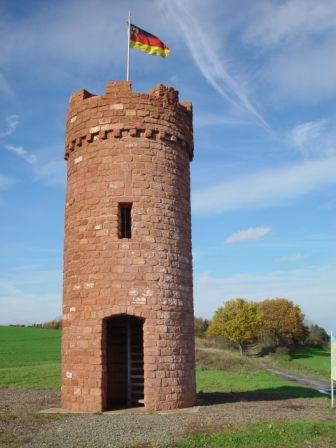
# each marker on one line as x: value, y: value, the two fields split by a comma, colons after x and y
x: 237, y: 385
x: 263, y: 435
x: 30, y: 358
x: 225, y: 375
x: 313, y: 362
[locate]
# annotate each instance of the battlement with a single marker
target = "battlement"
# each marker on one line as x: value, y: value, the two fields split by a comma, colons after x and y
x: 120, y: 113
x: 124, y: 88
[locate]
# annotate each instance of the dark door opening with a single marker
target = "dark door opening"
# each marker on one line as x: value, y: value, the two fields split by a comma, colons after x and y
x: 124, y: 362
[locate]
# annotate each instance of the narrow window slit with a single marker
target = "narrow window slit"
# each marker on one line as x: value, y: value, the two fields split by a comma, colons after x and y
x: 125, y: 221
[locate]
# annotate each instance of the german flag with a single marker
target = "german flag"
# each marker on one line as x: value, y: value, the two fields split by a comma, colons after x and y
x: 146, y: 42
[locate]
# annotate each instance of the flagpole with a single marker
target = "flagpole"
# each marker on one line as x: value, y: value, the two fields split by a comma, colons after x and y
x: 331, y: 369
x: 128, y: 46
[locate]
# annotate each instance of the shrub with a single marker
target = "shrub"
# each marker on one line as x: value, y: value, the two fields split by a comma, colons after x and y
x: 201, y: 326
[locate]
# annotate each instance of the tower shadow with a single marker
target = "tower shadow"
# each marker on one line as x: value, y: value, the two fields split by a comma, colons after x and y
x: 271, y: 394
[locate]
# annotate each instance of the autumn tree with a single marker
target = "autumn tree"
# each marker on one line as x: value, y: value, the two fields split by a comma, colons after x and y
x: 282, y: 321
x: 239, y: 321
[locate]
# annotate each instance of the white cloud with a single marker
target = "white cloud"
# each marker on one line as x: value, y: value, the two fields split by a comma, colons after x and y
x: 215, y: 68
x: 296, y: 41
x: 266, y: 188
x: 11, y: 124
x: 248, y: 235
x: 48, y: 166
x: 308, y: 287
x: 21, y: 153
x: 274, y: 23
x: 304, y: 133
x: 292, y: 258
x: 314, y: 138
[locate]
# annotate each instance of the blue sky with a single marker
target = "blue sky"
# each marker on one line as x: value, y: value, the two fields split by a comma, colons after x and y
x: 262, y: 79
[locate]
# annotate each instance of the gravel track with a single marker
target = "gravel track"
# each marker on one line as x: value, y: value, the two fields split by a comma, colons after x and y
x: 130, y: 429
x: 16, y: 401
x: 127, y: 430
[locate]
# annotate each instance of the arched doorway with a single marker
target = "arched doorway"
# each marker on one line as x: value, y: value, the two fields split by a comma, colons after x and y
x: 124, y: 363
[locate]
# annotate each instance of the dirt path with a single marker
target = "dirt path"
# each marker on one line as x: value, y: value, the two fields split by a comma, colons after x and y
x: 304, y: 380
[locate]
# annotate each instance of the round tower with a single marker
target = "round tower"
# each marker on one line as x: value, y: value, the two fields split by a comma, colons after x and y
x: 128, y: 322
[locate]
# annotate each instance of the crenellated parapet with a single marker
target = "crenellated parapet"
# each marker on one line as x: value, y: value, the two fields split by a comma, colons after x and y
x: 121, y: 113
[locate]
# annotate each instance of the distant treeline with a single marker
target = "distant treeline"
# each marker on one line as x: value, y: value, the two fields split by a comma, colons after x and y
x: 55, y: 324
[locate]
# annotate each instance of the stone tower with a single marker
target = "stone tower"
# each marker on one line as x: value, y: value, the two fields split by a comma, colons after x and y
x: 128, y: 302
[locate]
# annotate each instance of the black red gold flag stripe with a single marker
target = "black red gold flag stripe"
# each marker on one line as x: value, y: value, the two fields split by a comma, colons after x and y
x: 143, y: 41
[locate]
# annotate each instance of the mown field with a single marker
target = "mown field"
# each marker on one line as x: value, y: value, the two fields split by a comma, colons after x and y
x: 233, y: 377
x: 30, y: 359
x: 308, y: 361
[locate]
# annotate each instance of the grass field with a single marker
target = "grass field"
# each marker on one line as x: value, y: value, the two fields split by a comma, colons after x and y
x: 263, y: 435
x: 233, y: 377
x: 313, y: 362
x: 30, y: 358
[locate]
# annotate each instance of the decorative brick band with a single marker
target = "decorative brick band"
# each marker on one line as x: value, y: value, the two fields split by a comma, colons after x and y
x: 107, y: 131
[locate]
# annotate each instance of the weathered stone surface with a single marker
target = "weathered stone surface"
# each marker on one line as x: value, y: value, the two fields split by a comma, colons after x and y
x: 141, y: 157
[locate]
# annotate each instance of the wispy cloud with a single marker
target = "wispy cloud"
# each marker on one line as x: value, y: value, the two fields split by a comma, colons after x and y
x: 274, y: 23
x: 292, y: 258
x: 304, y: 133
x: 213, y: 66
x: 314, y: 139
x: 295, y: 40
x: 266, y: 188
x: 252, y: 234
x: 11, y: 123
x: 21, y: 153
x: 47, y: 164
